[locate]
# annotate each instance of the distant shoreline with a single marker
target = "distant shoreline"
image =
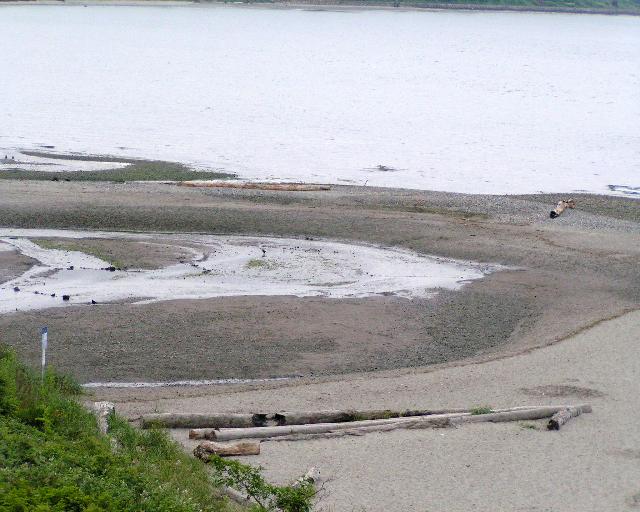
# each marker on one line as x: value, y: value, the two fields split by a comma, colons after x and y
x: 343, y: 5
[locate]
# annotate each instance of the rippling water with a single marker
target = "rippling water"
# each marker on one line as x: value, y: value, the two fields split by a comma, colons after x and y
x: 457, y: 101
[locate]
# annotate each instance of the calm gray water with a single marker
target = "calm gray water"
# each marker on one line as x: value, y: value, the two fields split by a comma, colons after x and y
x: 457, y: 101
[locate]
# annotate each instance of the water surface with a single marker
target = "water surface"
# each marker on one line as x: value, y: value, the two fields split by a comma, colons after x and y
x: 457, y: 101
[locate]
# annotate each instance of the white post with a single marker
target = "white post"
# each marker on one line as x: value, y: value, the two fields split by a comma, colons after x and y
x: 45, y: 332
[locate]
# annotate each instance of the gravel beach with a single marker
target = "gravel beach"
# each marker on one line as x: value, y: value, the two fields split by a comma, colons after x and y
x: 562, y: 274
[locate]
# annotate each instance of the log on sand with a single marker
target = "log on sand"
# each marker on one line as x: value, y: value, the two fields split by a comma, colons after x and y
x: 206, y: 448
x: 201, y: 424
x: 288, y: 187
x: 102, y: 411
x: 355, y: 427
x: 220, y: 420
x: 561, y: 417
x: 562, y: 206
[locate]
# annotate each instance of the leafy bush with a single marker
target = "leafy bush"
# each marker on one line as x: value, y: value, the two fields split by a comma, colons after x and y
x: 53, y: 458
x: 249, y: 480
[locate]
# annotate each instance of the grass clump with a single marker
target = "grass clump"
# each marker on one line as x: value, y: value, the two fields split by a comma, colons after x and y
x: 481, y: 410
x: 79, y: 246
x: 138, y: 170
x: 53, y: 458
x: 260, y: 263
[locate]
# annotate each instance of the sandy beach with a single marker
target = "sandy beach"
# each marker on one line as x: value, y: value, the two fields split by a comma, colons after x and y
x: 552, y: 325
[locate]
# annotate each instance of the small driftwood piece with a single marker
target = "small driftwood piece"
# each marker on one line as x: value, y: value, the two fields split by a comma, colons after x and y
x: 103, y: 410
x: 562, y: 206
x: 290, y: 187
x: 206, y: 448
x: 218, y: 420
x: 561, y: 417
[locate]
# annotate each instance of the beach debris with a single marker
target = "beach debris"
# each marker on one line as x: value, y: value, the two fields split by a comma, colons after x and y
x: 287, y: 187
x: 358, y: 427
x: 562, y: 206
x: 110, y: 268
x: 205, y: 449
x: 70, y: 267
x: 561, y: 417
x: 103, y: 410
x: 243, y: 420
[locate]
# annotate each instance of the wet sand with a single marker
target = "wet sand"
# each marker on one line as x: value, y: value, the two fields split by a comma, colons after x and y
x: 567, y: 273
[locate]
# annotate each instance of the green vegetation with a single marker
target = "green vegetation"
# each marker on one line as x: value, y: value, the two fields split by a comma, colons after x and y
x: 52, y: 457
x: 249, y: 480
x: 79, y: 246
x: 528, y: 426
x: 139, y: 170
x: 481, y: 410
x: 258, y: 263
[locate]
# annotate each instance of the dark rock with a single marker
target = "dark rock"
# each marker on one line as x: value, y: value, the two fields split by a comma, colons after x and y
x: 70, y: 267
x: 66, y: 297
x: 16, y: 289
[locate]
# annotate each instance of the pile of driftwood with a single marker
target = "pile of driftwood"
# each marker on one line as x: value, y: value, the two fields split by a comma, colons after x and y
x: 562, y: 206
x: 288, y: 187
x: 295, y: 426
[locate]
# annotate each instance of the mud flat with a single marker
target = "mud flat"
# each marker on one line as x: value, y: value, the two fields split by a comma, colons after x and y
x: 561, y: 276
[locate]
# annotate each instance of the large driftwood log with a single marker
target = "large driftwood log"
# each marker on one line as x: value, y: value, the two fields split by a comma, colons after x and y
x: 357, y: 427
x: 202, y: 423
x: 330, y: 416
x: 298, y: 187
x: 215, y: 420
x: 561, y: 417
x: 206, y: 448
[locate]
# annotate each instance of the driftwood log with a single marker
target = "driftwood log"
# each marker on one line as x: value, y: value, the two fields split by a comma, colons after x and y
x: 216, y: 420
x: 222, y: 420
x: 292, y: 187
x: 206, y: 448
x: 561, y: 417
x: 103, y: 410
x: 360, y: 427
x: 300, y: 418
x: 562, y: 206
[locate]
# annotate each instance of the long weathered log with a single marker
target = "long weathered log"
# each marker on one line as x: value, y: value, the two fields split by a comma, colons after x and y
x: 561, y: 417
x: 332, y: 416
x: 215, y: 420
x: 269, y: 432
x: 298, y: 187
x: 518, y: 415
x: 355, y: 427
x: 206, y: 448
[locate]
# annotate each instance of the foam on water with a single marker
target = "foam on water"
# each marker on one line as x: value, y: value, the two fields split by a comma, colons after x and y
x: 228, y: 266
